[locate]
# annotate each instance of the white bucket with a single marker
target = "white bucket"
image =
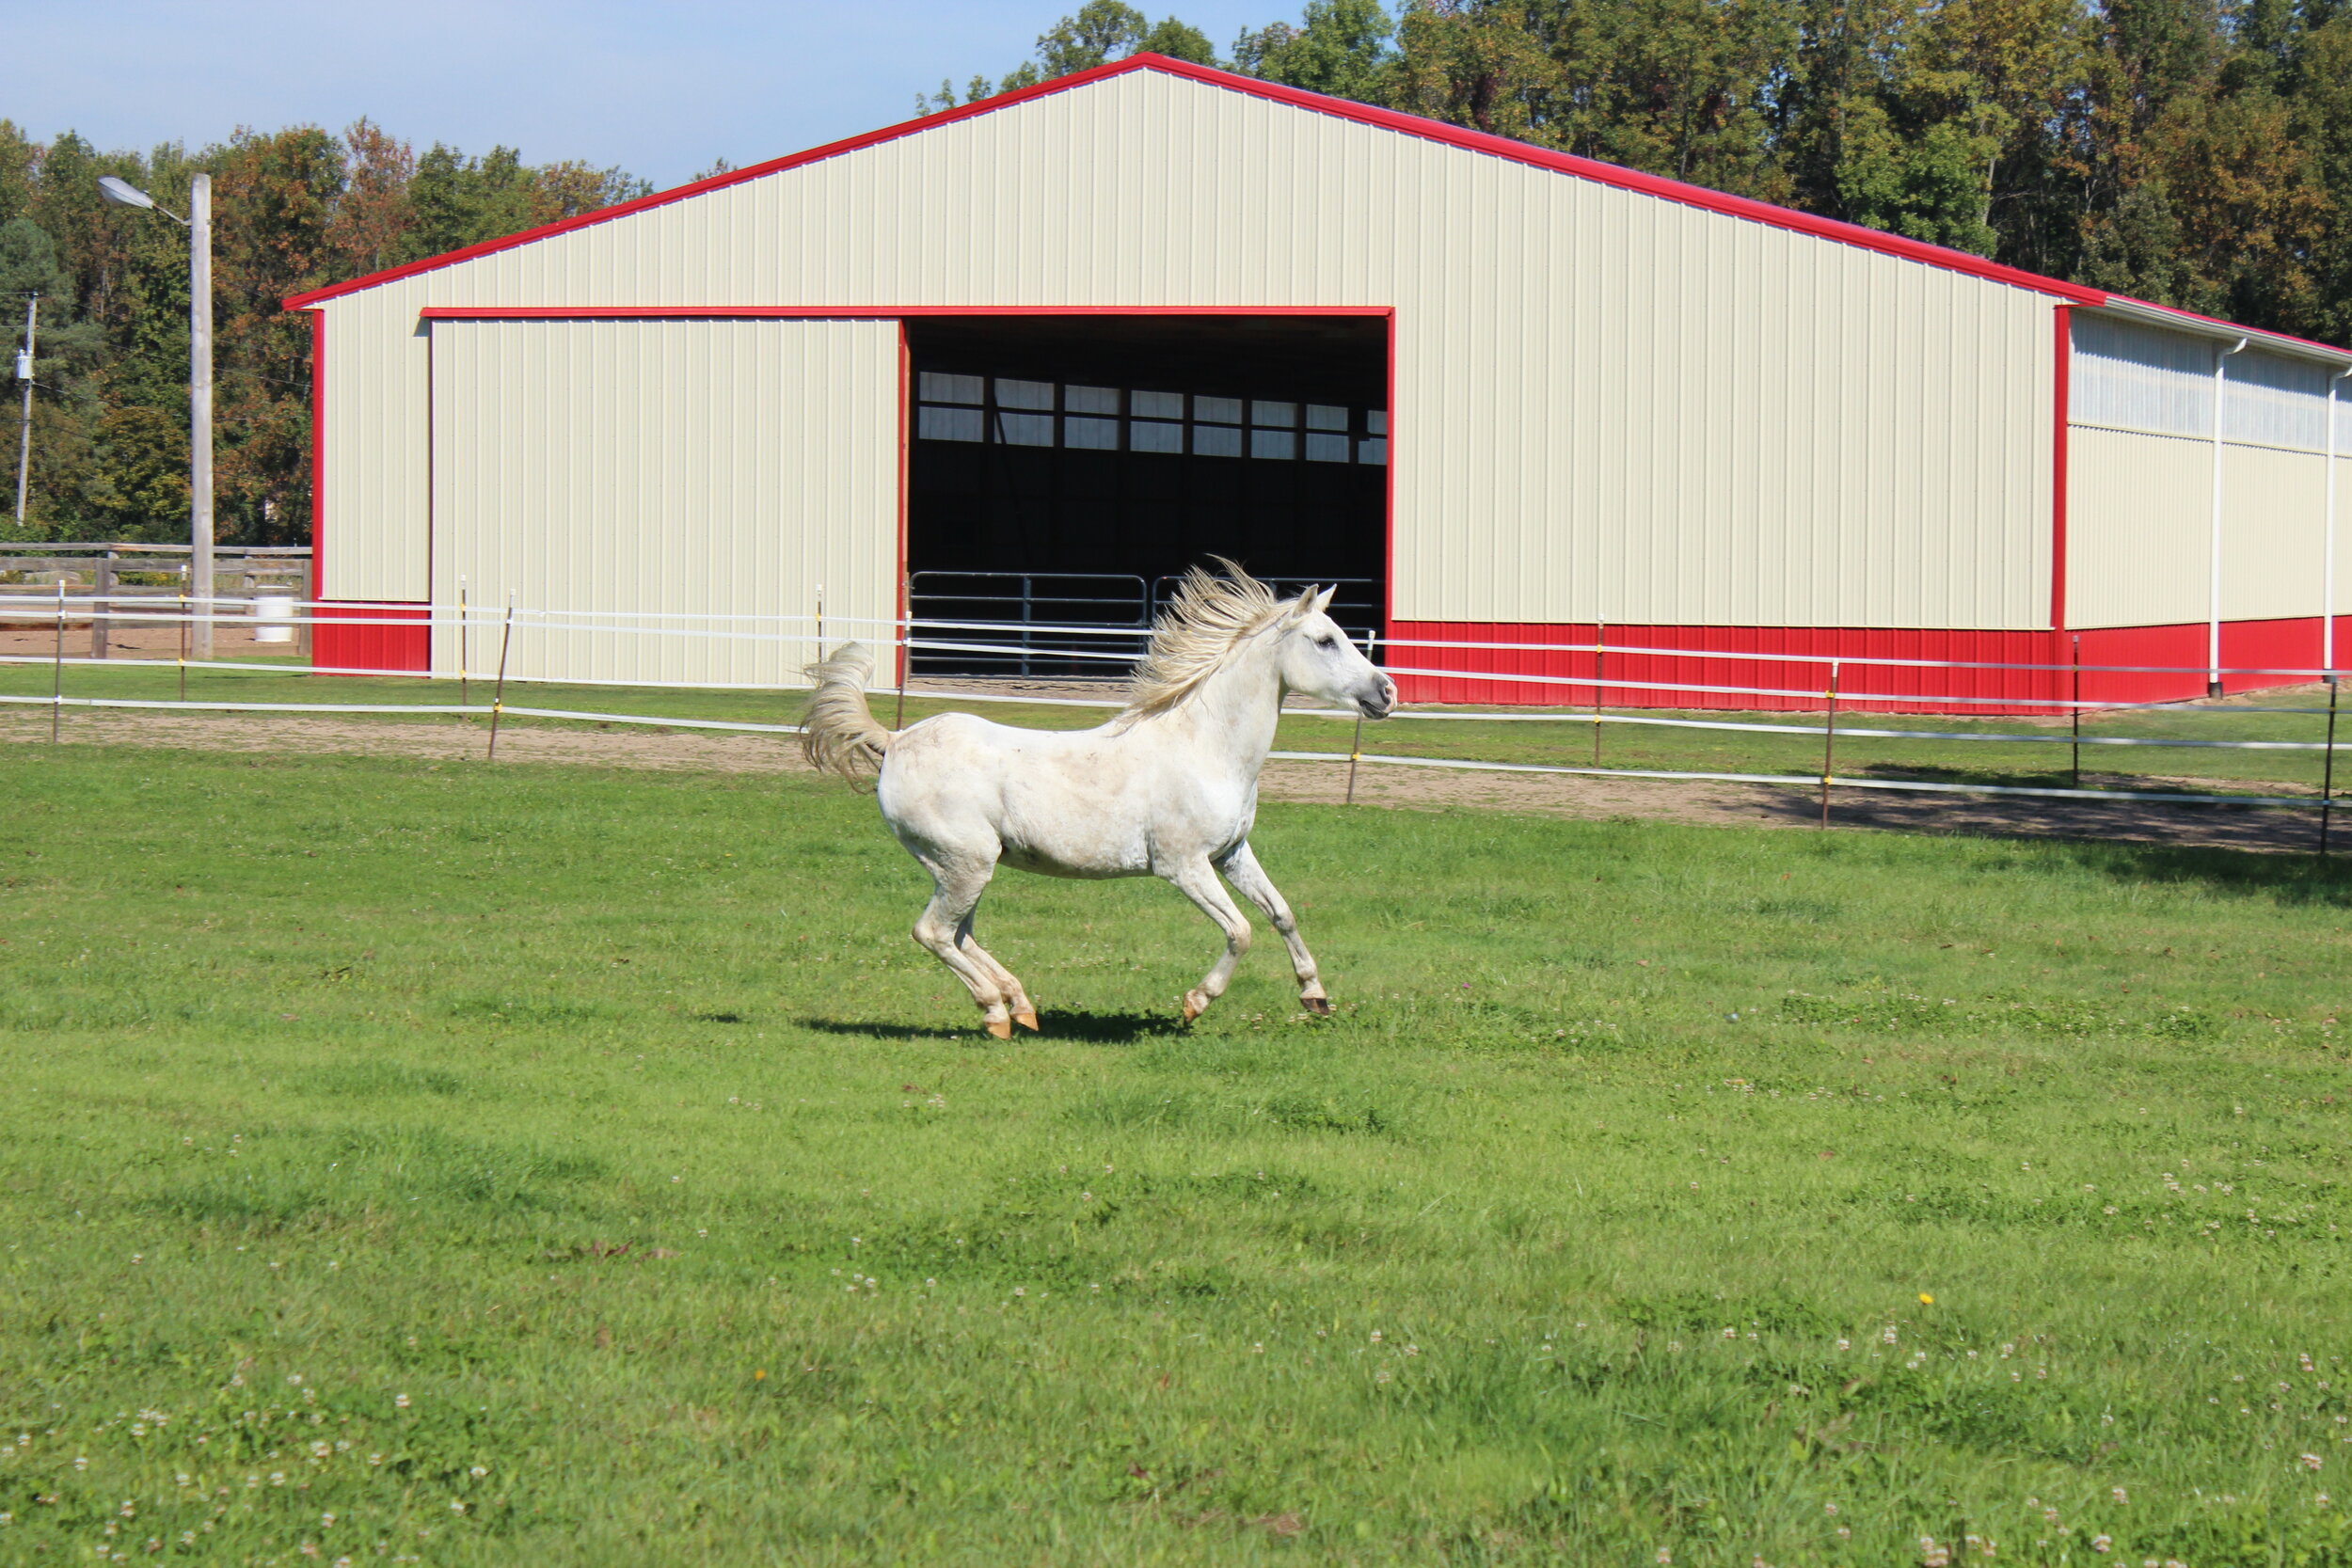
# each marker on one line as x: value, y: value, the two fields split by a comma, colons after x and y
x: 273, y: 618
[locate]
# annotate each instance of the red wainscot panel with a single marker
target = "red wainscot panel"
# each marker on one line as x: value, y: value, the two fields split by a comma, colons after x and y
x: 395, y: 637
x: 1749, y: 656
x: 2288, y: 644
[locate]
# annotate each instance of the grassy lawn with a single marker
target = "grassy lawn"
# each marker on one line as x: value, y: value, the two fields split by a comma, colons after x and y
x: 2040, y: 763
x: 441, y: 1164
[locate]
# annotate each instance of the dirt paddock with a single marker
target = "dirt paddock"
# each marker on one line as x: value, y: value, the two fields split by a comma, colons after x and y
x: 2251, y: 827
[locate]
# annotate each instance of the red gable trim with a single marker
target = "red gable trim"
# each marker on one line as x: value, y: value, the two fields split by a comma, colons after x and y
x: 860, y: 312
x: 1410, y: 125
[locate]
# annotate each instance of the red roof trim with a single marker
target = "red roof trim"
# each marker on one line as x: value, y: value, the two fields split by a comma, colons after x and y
x: 1411, y: 125
x: 862, y: 312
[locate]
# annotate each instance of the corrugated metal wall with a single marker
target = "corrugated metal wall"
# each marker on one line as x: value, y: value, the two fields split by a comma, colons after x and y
x: 1606, y: 405
x: 625, y: 470
x: 2140, y: 478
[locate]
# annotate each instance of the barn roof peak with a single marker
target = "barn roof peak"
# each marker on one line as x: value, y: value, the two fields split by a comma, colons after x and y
x: 1389, y: 120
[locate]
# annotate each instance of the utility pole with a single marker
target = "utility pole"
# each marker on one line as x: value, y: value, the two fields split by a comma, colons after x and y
x: 200, y: 403
x: 25, y: 432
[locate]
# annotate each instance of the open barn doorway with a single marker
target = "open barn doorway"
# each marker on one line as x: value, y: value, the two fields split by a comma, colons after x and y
x: 1065, y: 469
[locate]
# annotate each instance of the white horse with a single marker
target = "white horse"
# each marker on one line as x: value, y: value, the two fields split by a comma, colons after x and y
x: 1169, y: 787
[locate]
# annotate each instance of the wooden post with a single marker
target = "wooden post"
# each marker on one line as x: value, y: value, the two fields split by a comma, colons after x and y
x: 1829, y: 740
x: 497, y: 700
x: 183, y: 634
x: 102, y: 593
x: 56, y: 689
x: 1355, y: 755
x: 2078, y: 710
x: 2328, y: 765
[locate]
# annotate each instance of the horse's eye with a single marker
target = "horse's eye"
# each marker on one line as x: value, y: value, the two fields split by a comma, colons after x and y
x: 1327, y: 642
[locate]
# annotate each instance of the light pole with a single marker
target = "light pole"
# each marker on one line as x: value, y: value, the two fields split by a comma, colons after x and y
x: 199, y: 223
x: 25, y: 431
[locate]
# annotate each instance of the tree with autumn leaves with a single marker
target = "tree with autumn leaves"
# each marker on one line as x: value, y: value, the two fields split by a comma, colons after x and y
x: 292, y: 210
x: 2195, y: 153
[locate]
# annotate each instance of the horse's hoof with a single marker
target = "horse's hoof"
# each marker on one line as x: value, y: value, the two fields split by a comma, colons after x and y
x: 1319, y: 1006
x: 1194, y: 1010
x: 1026, y: 1018
x: 1001, y: 1028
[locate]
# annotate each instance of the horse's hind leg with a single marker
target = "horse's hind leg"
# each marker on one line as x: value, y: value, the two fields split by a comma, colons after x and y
x: 1024, y: 1011
x: 956, y: 888
x: 1198, y: 881
x: 1249, y: 878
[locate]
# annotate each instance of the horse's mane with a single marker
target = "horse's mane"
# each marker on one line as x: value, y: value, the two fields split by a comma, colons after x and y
x: 1207, y: 618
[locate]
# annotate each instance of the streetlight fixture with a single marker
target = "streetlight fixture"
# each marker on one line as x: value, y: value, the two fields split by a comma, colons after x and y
x: 199, y: 223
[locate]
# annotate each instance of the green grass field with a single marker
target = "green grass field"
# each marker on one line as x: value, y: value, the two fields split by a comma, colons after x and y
x: 466, y: 1166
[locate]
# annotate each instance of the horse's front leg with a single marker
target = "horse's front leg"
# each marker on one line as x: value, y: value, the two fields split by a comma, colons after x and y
x: 1242, y: 869
x: 1197, y: 881
x: 944, y: 928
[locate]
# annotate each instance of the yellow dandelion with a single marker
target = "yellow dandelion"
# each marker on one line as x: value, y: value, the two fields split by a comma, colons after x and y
x: 1926, y: 1300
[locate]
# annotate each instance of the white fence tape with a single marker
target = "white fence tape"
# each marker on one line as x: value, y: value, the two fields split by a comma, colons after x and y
x: 492, y: 622
x: 35, y: 606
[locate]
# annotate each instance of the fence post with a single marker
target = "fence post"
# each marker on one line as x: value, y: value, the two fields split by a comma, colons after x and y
x: 56, y: 689
x: 101, y: 595
x: 906, y: 649
x: 2078, y: 710
x: 498, y: 699
x: 1600, y: 635
x: 2328, y: 765
x: 464, y: 688
x: 183, y: 634
x: 1829, y: 740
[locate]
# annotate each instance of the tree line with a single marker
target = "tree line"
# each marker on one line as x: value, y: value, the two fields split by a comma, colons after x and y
x: 2195, y: 153
x: 292, y: 209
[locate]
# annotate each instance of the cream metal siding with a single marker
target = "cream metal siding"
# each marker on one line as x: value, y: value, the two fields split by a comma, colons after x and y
x: 2139, y: 522
x: 2273, y: 537
x: 2140, y: 478
x: 1606, y: 405
x: 615, y: 472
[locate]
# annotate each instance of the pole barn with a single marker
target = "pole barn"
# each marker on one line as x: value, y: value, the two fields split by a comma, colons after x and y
x: 1121, y: 320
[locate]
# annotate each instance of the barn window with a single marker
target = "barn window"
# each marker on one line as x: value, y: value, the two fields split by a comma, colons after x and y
x: 939, y: 387
x: 1089, y: 434
x: 1155, y: 434
x: 1215, y: 440
x: 1024, y: 394
x: 1021, y: 413
x: 1024, y: 430
x: 952, y: 424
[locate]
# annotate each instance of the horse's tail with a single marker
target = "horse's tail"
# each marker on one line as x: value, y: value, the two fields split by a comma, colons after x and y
x: 838, y: 731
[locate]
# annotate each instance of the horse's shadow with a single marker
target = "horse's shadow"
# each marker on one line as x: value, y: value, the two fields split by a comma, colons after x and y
x: 1092, y: 1028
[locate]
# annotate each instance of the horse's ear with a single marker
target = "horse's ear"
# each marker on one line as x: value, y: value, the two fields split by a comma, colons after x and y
x: 1322, y: 600
x: 1301, y: 606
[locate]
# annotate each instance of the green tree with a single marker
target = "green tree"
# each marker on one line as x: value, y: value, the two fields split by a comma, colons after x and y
x: 1341, y: 47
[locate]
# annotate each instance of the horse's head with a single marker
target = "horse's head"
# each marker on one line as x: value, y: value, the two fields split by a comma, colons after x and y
x: 1318, y: 659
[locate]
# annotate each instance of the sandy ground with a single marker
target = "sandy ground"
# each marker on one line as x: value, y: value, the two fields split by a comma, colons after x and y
x: 1405, y: 788
x: 128, y: 641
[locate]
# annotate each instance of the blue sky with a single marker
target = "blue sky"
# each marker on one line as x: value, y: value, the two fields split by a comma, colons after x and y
x: 661, y: 89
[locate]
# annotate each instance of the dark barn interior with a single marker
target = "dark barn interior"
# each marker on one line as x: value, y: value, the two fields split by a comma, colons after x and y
x: 1067, y: 468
